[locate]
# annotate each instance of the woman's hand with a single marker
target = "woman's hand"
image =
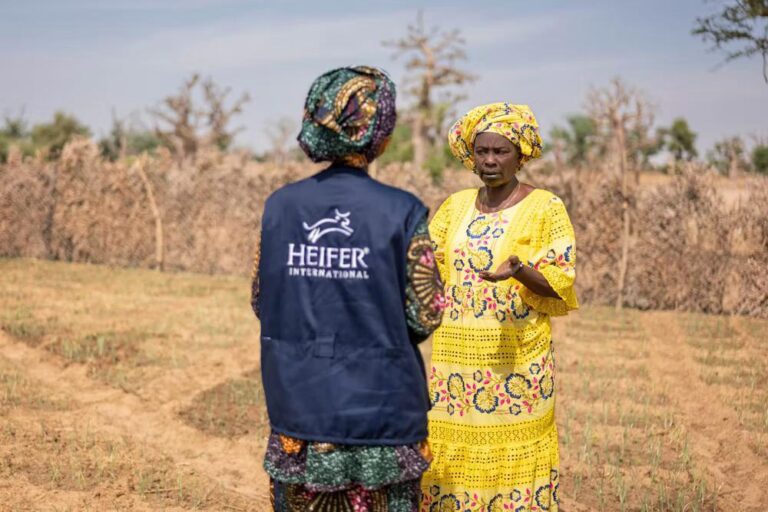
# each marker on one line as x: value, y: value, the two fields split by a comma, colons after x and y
x: 508, y: 268
x: 527, y: 276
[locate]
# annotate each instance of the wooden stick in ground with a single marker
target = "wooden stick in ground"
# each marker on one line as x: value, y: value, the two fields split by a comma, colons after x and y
x: 140, y: 166
x: 625, y: 219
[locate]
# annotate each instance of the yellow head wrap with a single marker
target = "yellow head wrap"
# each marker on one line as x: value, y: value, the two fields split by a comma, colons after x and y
x: 514, y: 122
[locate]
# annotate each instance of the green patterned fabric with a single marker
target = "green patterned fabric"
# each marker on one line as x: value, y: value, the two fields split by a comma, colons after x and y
x: 324, y: 477
x: 348, y: 116
x: 328, y: 467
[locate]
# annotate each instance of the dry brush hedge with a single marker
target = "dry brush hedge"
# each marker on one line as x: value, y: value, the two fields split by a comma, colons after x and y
x: 689, y: 248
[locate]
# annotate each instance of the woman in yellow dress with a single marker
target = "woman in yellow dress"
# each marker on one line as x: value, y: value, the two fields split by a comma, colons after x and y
x: 507, y: 257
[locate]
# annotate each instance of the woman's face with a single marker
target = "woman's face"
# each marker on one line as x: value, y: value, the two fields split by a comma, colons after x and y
x: 496, y: 159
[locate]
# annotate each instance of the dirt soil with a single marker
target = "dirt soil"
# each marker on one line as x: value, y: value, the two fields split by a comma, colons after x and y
x: 656, y: 410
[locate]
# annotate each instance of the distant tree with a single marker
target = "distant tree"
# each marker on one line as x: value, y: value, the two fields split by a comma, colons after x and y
x: 760, y: 158
x: 623, y: 118
x: 15, y: 127
x: 434, y: 55
x: 575, y: 140
x: 14, y: 133
x: 443, y: 116
x: 124, y: 139
x: 679, y: 140
x: 617, y: 110
x: 439, y: 159
x: 5, y: 147
x: 400, y: 147
x: 218, y: 115
x: 728, y: 156
x: 280, y: 135
x: 642, y: 142
x: 54, y: 135
x: 191, y: 124
x: 741, y: 25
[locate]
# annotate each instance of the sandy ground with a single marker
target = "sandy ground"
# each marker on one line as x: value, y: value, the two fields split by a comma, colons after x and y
x: 656, y: 411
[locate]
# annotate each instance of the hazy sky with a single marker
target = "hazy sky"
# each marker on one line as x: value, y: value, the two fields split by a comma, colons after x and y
x: 89, y: 57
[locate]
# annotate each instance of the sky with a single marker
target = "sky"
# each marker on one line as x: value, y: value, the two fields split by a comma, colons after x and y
x: 93, y: 58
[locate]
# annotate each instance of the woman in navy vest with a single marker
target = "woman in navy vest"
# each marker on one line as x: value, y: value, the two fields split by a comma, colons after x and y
x: 345, y: 285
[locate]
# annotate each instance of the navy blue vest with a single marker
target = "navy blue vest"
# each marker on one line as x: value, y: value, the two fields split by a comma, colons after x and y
x: 337, y: 361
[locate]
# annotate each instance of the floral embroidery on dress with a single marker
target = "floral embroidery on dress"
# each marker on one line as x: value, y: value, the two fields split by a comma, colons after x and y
x: 486, y: 299
x: 475, y: 296
x: 526, y: 499
x: 481, y: 259
x: 488, y: 393
x: 562, y: 259
x: 475, y: 255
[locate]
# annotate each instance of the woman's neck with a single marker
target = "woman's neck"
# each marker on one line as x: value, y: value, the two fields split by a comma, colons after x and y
x: 495, y: 196
x: 354, y: 160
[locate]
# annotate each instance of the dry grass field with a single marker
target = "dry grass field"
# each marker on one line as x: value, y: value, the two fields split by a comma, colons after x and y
x: 128, y: 389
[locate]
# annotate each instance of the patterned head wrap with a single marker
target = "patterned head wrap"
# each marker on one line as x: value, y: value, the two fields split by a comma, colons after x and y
x: 348, y: 115
x: 514, y: 122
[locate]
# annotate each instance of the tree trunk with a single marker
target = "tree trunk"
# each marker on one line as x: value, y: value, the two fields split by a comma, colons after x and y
x: 159, y: 246
x: 733, y: 161
x: 48, y: 225
x: 625, y: 218
x: 419, y: 141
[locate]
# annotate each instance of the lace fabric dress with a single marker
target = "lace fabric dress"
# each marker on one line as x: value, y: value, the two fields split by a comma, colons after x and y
x: 492, y: 378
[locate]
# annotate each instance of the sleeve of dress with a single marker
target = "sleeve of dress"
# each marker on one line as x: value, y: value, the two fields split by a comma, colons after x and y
x: 424, y: 299
x: 438, y: 231
x: 556, y: 260
x: 255, y: 277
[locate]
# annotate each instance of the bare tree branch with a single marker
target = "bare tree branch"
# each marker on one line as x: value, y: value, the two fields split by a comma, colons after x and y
x: 189, y: 127
x: 433, y: 55
x: 744, y: 23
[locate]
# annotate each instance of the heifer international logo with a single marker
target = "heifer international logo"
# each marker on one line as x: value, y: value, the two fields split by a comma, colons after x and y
x: 337, y: 224
x: 328, y: 262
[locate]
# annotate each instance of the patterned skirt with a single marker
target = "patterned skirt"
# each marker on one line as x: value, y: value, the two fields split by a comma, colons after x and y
x: 325, y: 477
x: 402, y: 497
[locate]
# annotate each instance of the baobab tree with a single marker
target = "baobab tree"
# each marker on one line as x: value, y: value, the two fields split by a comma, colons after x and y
x: 618, y: 110
x: 432, y: 66
x: 191, y: 124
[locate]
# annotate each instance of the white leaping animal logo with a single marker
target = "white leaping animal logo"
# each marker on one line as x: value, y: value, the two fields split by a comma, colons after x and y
x: 339, y: 223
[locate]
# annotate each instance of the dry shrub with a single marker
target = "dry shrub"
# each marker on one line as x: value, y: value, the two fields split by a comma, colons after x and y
x: 82, y: 208
x: 25, y: 197
x: 213, y: 212
x: 421, y: 184
x: 749, y: 240
x: 680, y: 257
x: 596, y: 216
x: 689, y: 249
x: 98, y: 210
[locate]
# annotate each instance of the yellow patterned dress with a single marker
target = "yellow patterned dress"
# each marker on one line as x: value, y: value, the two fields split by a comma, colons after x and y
x: 491, y: 427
